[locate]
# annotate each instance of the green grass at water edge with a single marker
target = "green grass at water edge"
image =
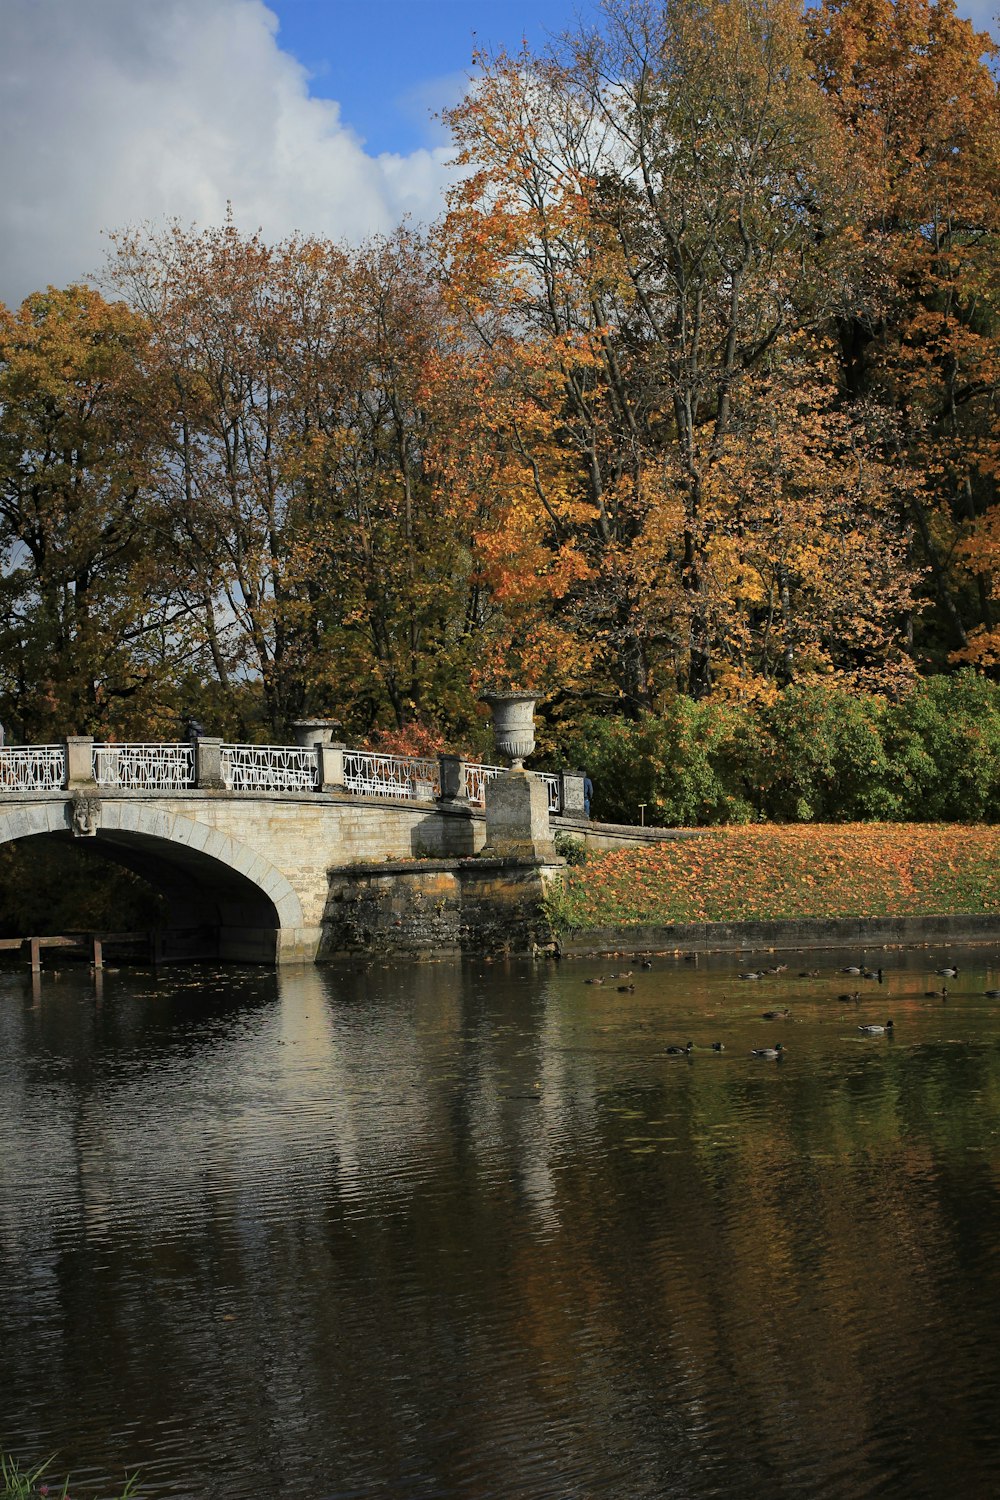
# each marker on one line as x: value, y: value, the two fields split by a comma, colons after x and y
x: 19, y: 1483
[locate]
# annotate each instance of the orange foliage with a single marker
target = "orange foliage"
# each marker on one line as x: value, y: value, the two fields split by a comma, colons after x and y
x: 626, y: 277
x: 775, y: 873
x: 913, y: 89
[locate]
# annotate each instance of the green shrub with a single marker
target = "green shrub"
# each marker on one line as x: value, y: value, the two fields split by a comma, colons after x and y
x: 683, y: 765
x: 573, y: 850
x: 816, y: 754
x: 821, y: 757
x: 946, y: 742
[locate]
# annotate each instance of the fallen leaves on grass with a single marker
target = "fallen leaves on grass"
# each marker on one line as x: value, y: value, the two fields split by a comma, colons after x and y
x: 770, y: 873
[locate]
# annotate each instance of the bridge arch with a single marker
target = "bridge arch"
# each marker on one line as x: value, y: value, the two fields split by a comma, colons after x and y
x: 210, y: 880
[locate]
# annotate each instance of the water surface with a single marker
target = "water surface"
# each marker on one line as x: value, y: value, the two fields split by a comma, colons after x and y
x: 469, y: 1231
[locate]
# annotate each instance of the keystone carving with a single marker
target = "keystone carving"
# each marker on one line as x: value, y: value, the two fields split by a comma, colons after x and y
x: 85, y: 814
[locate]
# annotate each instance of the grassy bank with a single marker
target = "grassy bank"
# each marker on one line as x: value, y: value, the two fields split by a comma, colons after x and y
x: 774, y: 873
x: 18, y: 1482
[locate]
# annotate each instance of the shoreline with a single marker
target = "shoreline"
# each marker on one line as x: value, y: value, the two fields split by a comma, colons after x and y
x: 792, y: 933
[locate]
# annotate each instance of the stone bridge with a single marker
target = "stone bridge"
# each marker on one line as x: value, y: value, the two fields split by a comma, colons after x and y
x: 242, y: 839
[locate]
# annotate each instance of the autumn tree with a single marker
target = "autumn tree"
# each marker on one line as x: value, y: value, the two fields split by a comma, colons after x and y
x: 809, y: 559
x: 308, y: 535
x: 916, y: 97
x: 649, y: 221
x: 221, y: 309
x: 89, y: 640
x: 381, y: 517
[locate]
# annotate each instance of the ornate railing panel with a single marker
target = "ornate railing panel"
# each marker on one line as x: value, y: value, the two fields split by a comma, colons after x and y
x: 554, y: 790
x: 149, y: 767
x: 248, y: 768
x: 270, y: 768
x: 33, y: 768
x: 407, y: 777
x: 476, y: 777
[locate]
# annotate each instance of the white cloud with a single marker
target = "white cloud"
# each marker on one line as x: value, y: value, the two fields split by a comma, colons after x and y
x: 117, y: 111
x: 423, y: 104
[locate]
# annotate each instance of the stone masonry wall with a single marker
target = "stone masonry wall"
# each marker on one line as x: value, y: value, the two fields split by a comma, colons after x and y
x: 435, y: 908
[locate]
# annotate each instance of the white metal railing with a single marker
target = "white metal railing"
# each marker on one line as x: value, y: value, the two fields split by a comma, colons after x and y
x: 249, y: 768
x: 553, y: 789
x: 33, y: 768
x: 270, y: 768
x: 149, y: 767
x: 476, y: 777
x: 368, y: 774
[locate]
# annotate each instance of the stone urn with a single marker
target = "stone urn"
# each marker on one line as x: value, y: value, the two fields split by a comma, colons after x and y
x: 309, y: 732
x: 513, y: 725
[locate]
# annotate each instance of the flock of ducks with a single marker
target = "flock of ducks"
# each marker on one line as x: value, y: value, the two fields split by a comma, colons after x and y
x: 783, y: 1012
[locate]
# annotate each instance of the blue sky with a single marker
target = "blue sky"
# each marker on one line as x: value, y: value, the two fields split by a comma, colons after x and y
x: 390, y: 63
x: 310, y: 116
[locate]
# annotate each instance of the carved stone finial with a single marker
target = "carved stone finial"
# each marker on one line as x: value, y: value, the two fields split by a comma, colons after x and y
x: 84, y: 814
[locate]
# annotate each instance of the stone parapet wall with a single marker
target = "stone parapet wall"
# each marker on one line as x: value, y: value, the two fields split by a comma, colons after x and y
x: 602, y: 838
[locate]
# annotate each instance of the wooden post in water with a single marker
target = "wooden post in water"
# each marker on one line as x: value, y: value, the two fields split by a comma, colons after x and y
x: 36, y: 957
x: 98, y: 954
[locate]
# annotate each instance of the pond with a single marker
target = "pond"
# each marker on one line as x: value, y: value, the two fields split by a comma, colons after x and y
x: 470, y: 1230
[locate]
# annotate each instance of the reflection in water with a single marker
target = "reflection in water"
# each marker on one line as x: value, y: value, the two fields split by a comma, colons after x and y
x: 470, y: 1231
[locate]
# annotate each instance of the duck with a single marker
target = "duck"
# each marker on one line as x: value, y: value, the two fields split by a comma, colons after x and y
x: 875, y: 1030
x: 854, y: 998
x: 872, y: 974
x: 751, y: 974
x: 948, y: 973
x: 808, y: 973
x: 992, y: 994
x: 647, y: 963
x: 597, y: 980
x: 626, y: 989
x: 781, y: 1014
x: 718, y: 1046
x: 941, y: 994
x: 772, y: 1052
x: 853, y: 969
x: 680, y: 1051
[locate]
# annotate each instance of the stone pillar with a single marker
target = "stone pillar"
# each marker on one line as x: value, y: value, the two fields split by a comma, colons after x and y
x: 517, y: 817
x: 331, y: 766
x: 79, y: 760
x: 316, y: 732
x: 208, y: 764
x: 454, y: 791
x: 574, y: 804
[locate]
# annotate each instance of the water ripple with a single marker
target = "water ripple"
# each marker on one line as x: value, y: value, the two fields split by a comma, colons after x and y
x: 455, y: 1232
